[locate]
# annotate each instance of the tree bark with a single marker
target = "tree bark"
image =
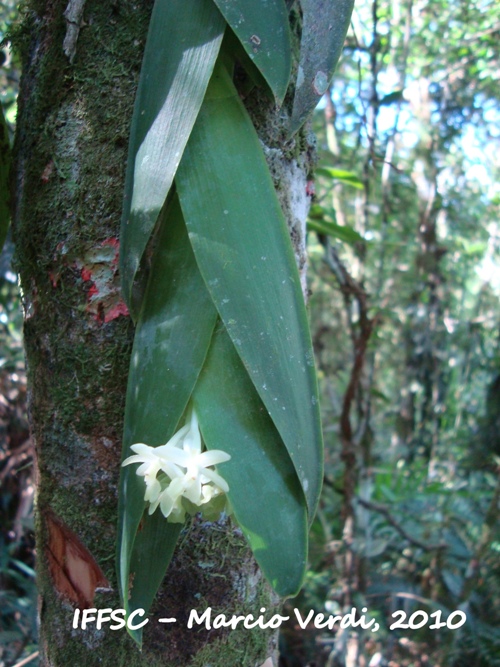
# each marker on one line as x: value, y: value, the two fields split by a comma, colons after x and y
x: 81, y: 63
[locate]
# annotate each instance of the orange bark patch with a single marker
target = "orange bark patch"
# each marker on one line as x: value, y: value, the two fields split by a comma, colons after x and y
x: 74, y: 571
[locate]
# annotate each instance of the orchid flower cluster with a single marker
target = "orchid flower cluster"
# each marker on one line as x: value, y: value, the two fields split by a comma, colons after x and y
x: 179, y: 470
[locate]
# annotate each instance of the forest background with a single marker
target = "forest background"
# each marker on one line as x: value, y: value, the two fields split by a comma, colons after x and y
x: 404, y: 279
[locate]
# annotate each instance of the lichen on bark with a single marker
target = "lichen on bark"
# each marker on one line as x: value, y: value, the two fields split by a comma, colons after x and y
x: 70, y: 154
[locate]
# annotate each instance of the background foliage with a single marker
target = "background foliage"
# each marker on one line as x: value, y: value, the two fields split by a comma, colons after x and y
x: 403, y: 248
x: 17, y: 577
x: 403, y: 274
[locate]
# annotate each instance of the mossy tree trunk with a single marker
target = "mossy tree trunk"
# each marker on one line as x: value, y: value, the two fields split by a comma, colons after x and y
x: 75, y: 105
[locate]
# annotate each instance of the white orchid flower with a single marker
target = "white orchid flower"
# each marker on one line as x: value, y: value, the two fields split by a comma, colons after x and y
x: 188, y: 468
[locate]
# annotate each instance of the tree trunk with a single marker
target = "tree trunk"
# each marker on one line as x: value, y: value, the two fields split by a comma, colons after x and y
x: 80, y: 72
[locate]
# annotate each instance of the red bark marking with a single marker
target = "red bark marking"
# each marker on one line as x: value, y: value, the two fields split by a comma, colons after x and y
x: 74, y: 571
x: 86, y: 274
x: 47, y: 172
x: 104, y: 300
x: 112, y: 241
x: 116, y: 311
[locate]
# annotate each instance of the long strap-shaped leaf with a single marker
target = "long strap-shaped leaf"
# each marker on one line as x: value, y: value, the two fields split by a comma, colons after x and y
x: 182, y: 46
x: 243, y: 250
x: 171, y: 342
x: 151, y: 556
x: 5, y: 161
x: 323, y: 34
x: 264, y: 491
x: 263, y: 30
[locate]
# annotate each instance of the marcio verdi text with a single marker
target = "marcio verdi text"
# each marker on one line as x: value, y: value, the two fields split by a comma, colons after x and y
x: 116, y: 619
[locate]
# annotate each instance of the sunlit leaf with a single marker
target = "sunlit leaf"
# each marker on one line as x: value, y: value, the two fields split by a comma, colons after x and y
x: 263, y: 30
x: 323, y: 33
x: 182, y: 46
x: 473, y: 248
x: 244, y: 252
x: 341, y: 175
x: 341, y: 232
x: 264, y: 490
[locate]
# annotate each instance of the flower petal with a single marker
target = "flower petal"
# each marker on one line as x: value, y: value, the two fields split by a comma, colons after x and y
x: 133, y: 459
x: 216, y: 479
x: 192, y: 441
x: 175, y: 440
x: 208, y: 492
x: 166, y: 503
x: 212, y: 457
x: 149, y: 468
x: 176, y: 487
x: 143, y: 450
x: 171, y: 469
x: 192, y: 490
x: 173, y: 454
x: 153, y: 490
x: 153, y: 506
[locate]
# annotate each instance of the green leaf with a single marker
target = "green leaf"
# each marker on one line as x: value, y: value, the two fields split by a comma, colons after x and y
x: 264, y: 491
x: 151, y: 556
x: 318, y: 212
x: 348, y: 177
x: 323, y: 34
x: 263, y: 30
x: 5, y: 162
x: 171, y: 342
x: 454, y: 582
x: 370, y: 548
x: 376, y: 393
x: 243, y: 250
x: 346, y: 234
x: 472, y: 248
x: 182, y: 45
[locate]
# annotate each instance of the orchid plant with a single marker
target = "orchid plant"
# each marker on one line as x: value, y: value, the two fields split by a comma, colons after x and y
x: 222, y: 350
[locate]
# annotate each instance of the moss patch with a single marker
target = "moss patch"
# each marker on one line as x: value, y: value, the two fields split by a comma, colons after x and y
x: 213, y: 567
